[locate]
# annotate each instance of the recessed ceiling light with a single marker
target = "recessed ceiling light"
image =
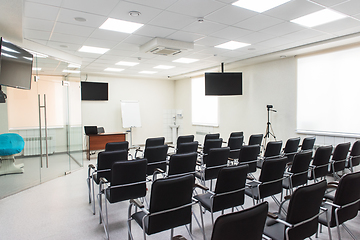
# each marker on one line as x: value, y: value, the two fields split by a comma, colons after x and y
x: 232, y: 45
x: 80, y: 19
x: 72, y: 65
x: 63, y: 46
x: 164, y: 67
x: 259, y: 5
x: 186, y: 60
x: 97, y: 50
x: 148, y: 72
x: 70, y: 71
x: 134, y: 13
x: 318, y: 18
x: 120, y: 25
x: 36, y: 69
x: 113, y: 69
x: 123, y: 63
x: 282, y: 56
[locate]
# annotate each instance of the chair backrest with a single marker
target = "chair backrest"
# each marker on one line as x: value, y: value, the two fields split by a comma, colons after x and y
x: 184, y: 139
x: 347, y: 192
x: 340, y: 155
x: 100, y: 130
x: 300, y: 167
x: 230, y: 179
x: 216, y: 160
x: 271, y: 176
x: 125, y: 173
x: 179, y: 190
x: 152, y: 142
x: 321, y: 161
x: 113, y: 146
x: 249, y: 155
x: 291, y: 148
x: 255, y: 139
x: 304, y: 204
x: 211, y: 136
x: 235, y: 144
x: 156, y: 157
x: 182, y: 163
x: 246, y: 224
x: 212, y: 143
x: 308, y: 143
x: 273, y: 149
x: 106, y: 160
x: 355, y: 153
x: 236, y: 134
x: 187, y: 147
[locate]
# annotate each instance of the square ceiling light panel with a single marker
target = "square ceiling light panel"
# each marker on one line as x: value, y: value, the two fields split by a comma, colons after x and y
x: 186, y: 60
x: 319, y: 18
x: 123, y: 63
x: 96, y: 50
x: 259, y: 5
x: 117, y: 25
x: 113, y: 69
x: 232, y: 45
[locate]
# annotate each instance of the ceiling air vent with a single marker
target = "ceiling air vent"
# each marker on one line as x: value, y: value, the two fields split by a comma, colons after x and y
x: 166, y: 47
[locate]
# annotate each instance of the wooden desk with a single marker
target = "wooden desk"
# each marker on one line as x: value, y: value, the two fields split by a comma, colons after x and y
x: 98, y: 141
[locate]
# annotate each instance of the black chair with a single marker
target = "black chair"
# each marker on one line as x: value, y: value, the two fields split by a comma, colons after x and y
x: 344, y: 205
x: 298, y: 171
x: 339, y: 157
x: 211, y: 136
x: 273, y: 149
x: 308, y: 143
x: 215, y: 160
x: 151, y: 142
x: 235, y: 144
x: 156, y: 158
x: 249, y: 155
x: 209, y: 144
x: 128, y: 181
x: 301, y: 220
x: 105, y: 161
x: 270, y: 180
x: 236, y: 134
x: 246, y: 224
x: 180, y: 164
x: 100, y: 130
x: 229, y: 190
x: 320, y: 164
x: 255, y: 139
x: 184, y: 139
x: 187, y: 147
x: 170, y: 206
x: 114, y: 146
x: 354, y: 158
x: 291, y: 148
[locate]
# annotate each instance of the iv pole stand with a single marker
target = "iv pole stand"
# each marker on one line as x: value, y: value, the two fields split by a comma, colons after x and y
x: 269, y: 129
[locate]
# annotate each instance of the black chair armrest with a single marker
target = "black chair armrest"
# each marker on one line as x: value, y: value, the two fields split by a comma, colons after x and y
x: 104, y: 180
x: 201, y: 186
x: 272, y: 215
x: 137, y: 203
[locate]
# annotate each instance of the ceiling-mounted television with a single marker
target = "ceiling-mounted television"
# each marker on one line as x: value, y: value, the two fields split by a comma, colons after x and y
x: 94, y: 91
x: 223, y: 84
x: 15, y: 66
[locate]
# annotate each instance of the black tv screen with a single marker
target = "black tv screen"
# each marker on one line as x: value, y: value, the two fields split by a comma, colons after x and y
x: 16, y: 66
x: 223, y: 84
x: 94, y: 91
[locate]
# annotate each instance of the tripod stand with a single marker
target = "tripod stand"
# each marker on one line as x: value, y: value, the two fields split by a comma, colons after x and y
x: 269, y: 129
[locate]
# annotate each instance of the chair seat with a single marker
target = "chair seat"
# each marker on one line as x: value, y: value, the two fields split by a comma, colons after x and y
x: 276, y: 231
x: 205, y: 201
x: 250, y: 192
x: 138, y: 216
x: 10, y: 144
x: 286, y: 184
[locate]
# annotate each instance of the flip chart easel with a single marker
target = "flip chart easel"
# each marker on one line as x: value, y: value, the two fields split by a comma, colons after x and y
x: 130, y: 113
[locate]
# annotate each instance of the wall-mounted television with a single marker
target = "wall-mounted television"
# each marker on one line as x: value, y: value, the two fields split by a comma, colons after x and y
x: 16, y: 66
x: 223, y: 84
x: 94, y: 91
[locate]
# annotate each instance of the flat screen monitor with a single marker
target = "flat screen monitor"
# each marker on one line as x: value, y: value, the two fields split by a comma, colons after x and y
x: 16, y: 66
x: 223, y: 84
x: 94, y: 91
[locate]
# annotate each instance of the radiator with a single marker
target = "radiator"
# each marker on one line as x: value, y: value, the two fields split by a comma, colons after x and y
x: 32, y: 145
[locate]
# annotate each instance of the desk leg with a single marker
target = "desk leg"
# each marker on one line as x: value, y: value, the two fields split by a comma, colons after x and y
x: 88, y: 154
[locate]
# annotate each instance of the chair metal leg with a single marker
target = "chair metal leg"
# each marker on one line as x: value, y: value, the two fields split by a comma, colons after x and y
x: 171, y: 233
x: 93, y: 193
x: 89, y: 188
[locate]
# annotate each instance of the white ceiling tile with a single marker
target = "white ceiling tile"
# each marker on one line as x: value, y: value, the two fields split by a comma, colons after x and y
x: 230, y: 15
x: 231, y: 33
x: 59, y: 37
x: 40, y: 11
x: 338, y: 25
x: 92, y: 20
x: 275, y: 42
x: 347, y: 31
x: 70, y: 46
x: 210, y: 41
x: 329, y: 3
x: 161, y: 4
x: 35, y: 34
x: 108, y: 35
x: 206, y: 27
x: 303, y: 34
x: 199, y: 8
x: 293, y: 9
x: 94, y: 42
x: 121, y: 11
x: 127, y: 46
x: 172, y: 20
x: 282, y: 29
x: 258, y: 22
x: 351, y: 7
x: 91, y: 6
x: 255, y: 37
x: 186, y: 36
x: 72, y: 29
x: 56, y: 3
x: 154, y: 31
x: 137, y: 40
x: 38, y: 24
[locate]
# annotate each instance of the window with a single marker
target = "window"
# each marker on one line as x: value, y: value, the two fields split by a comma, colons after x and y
x: 204, y: 108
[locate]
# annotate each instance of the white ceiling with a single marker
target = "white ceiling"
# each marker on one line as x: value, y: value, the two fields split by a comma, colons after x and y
x: 52, y: 23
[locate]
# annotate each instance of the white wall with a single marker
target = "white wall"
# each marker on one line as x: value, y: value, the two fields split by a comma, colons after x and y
x: 154, y: 96
x: 266, y: 83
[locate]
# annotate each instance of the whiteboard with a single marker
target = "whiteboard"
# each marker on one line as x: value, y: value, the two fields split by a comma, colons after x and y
x: 130, y: 113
